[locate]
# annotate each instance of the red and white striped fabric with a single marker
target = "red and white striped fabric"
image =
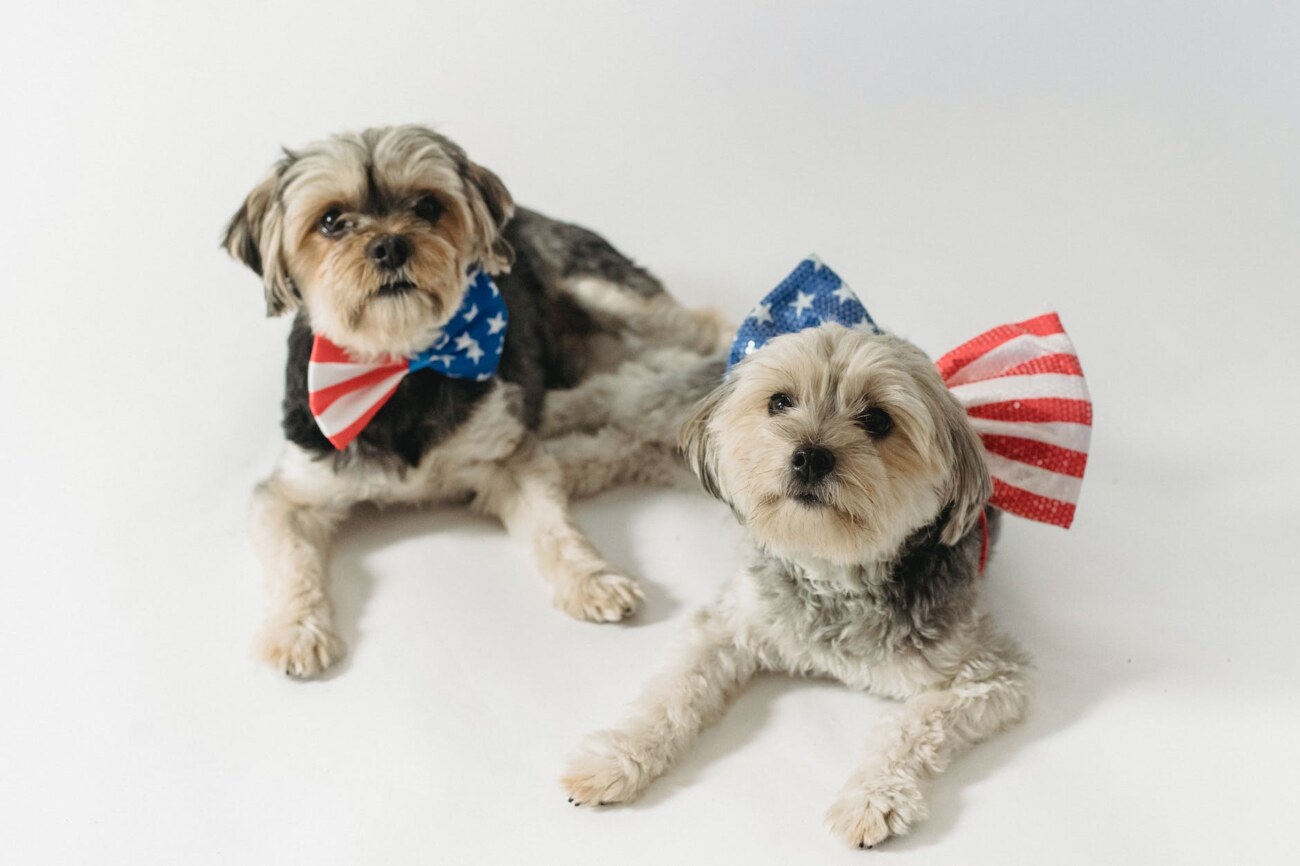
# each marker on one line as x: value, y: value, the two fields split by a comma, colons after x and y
x: 1027, y: 399
x: 343, y: 394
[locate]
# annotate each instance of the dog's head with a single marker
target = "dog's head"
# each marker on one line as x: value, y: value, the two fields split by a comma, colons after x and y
x: 373, y: 234
x: 838, y: 443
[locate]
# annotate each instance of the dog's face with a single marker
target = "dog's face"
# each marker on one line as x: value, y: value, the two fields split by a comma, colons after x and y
x: 838, y: 444
x: 373, y: 233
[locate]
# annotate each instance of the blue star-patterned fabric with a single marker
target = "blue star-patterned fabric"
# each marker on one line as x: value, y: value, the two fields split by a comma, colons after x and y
x: 469, y: 345
x: 812, y: 295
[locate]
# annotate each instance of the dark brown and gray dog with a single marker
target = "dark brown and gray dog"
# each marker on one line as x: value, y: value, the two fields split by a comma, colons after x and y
x: 862, y: 486
x: 368, y: 239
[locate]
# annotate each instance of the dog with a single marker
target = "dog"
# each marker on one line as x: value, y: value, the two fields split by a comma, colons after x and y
x: 865, y: 491
x: 383, y: 244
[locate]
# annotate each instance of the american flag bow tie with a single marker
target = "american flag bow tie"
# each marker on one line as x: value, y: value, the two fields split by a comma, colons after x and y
x: 1021, y: 384
x: 345, y: 394
x: 1026, y: 397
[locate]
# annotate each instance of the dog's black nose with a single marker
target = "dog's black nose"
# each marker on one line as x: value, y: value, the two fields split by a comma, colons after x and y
x: 812, y: 463
x: 389, y: 251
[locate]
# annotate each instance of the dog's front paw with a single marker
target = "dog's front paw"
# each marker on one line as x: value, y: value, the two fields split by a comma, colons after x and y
x: 303, y: 648
x: 605, y: 597
x: 866, y: 817
x: 604, y: 771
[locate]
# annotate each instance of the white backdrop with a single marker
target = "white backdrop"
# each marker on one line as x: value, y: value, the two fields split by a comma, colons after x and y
x: 1132, y: 165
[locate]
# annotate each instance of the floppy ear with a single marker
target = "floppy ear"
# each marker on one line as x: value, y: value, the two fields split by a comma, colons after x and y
x: 492, y: 207
x: 255, y: 236
x: 969, y: 486
x: 697, y: 444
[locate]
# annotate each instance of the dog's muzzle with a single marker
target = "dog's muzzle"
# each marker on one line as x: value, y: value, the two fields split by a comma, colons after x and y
x: 810, y: 465
x: 395, y: 289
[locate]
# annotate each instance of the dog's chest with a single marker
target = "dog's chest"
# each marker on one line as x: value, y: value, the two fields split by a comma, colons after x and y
x: 810, y: 624
x: 465, y: 462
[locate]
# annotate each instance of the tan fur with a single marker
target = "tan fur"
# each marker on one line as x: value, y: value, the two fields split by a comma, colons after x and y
x: 885, y: 489
x: 658, y: 320
x: 492, y: 460
x: 334, y: 276
x: 818, y: 595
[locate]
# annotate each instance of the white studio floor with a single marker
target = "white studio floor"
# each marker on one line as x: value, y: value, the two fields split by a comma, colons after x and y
x: 1131, y: 165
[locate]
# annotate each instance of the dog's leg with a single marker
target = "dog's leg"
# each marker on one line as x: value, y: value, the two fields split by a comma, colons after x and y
x: 620, y: 296
x: 591, y: 463
x: 527, y: 494
x: 650, y: 396
x: 292, y: 538
x: 691, y: 692
x: 621, y: 427
x: 658, y: 318
x: 989, y: 693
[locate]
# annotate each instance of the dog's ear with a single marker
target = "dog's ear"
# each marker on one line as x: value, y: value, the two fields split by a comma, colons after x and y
x: 697, y: 444
x: 492, y: 207
x: 969, y: 486
x: 255, y: 236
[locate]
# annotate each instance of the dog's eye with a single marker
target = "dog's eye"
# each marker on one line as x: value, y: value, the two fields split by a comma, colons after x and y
x: 876, y: 422
x: 332, y: 223
x: 779, y: 403
x: 428, y: 208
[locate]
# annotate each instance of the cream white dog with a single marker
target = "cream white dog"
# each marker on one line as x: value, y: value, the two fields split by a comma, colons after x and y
x: 865, y: 490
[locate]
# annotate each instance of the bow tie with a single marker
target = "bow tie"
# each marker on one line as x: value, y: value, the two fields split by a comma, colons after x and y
x: 344, y: 393
x: 1021, y: 384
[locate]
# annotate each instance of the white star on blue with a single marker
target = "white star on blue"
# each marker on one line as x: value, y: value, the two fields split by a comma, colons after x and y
x: 812, y: 295
x: 470, y: 344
